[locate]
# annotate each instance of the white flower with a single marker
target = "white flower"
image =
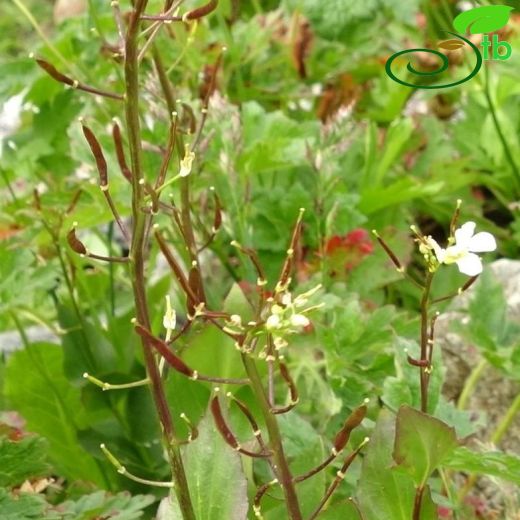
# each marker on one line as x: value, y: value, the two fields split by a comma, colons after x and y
x: 186, y: 162
x: 236, y: 320
x: 170, y: 316
x: 463, y: 251
x: 299, y: 320
x: 273, y: 322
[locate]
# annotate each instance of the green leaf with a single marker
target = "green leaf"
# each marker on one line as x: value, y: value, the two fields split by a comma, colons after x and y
x: 345, y: 510
x: 19, y: 269
x: 85, y: 347
x: 218, y: 487
x: 36, y: 387
x: 103, y: 505
x: 495, y: 463
x: 421, y: 443
x: 384, y: 492
x: 23, y: 507
x: 21, y: 460
x: 485, y: 19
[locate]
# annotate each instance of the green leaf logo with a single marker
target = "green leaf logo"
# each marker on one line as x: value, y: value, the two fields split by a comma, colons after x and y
x: 484, y: 19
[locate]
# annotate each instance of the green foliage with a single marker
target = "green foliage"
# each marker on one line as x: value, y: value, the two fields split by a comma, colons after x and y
x: 496, y: 463
x: 24, y: 507
x: 303, y: 116
x: 421, y: 443
x: 22, y: 459
x: 217, y: 483
x: 100, y: 504
x: 384, y: 492
x: 490, y: 328
x: 52, y: 407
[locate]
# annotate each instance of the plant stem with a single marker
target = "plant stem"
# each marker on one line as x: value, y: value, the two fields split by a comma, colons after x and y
x: 137, y: 254
x: 470, y: 384
x: 417, y: 503
x: 425, y: 376
x: 506, y: 421
x: 275, y: 440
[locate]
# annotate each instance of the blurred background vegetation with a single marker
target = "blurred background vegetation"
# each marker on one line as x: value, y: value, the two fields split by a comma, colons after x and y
x: 303, y: 115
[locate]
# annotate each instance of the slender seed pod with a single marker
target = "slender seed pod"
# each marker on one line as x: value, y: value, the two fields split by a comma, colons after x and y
x: 222, y: 427
x: 227, y: 434
x: 53, y: 72
x: 97, y: 152
x: 161, y: 347
x: 177, y: 271
x: 204, y: 10
x: 120, y: 152
x: 293, y: 390
x: 352, y: 422
x: 289, y: 261
x: 195, y: 283
x: 418, y: 362
x: 389, y: 252
x: 75, y: 244
x: 217, y: 220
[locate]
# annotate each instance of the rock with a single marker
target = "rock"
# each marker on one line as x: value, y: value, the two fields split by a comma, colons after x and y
x: 493, y: 393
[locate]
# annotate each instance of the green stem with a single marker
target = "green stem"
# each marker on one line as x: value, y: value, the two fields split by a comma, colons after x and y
x: 23, y: 9
x: 275, y: 440
x: 506, y: 421
x: 470, y: 384
x: 137, y: 258
x: 425, y: 377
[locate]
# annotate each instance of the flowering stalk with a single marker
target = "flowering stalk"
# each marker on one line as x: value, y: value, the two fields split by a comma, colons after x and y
x: 136, y: 256
x: 462, y: 248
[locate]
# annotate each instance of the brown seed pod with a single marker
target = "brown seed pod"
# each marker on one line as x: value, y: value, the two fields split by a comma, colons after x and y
x: 53, y: 72
x: 222, y: 427
x: 120, y: 152
x: 352, y: 422
x: 418, y: 362
x: 75, y: 244
x: 174, y: 361
x: 204, y: 10
x: 97, y: 152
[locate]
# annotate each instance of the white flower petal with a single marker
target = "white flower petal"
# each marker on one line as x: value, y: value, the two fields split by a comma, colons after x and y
x: 299, y: 320
x: 482, y: 242
x: 273, y: 322
x: 440, y: 253
x: 464, y: 233
x: 470, y: 264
